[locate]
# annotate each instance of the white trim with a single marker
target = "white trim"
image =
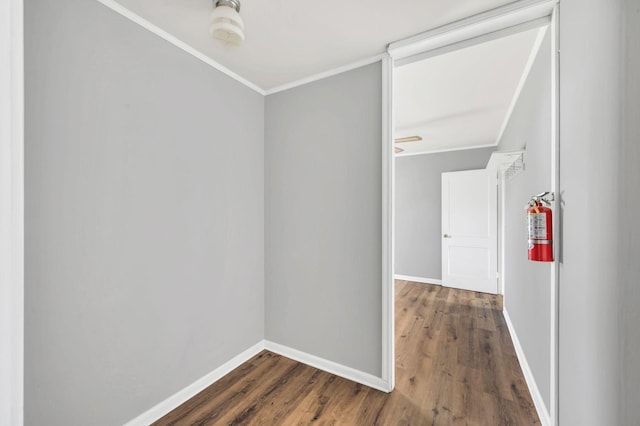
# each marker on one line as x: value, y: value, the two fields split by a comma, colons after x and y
x: 11, y: 213
x: 543, y: 414
x: 437, y: 151
x: 478, y: 25
x: 557, y: 235
x: 325, y: 74
x: 418, y: 279
x: 127, y: 13
x: 175, y: 400
x: 503, y: 240
x: 329, y: 366
x: 388, y: 224
x: 523, y: 79
x: 536, y: 23
x: 493, y: 230
x: 495, y: 20
x: 162, y: 408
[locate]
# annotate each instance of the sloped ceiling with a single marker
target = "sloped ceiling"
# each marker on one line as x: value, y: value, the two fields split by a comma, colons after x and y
x: 289, y: 40
x: 462, y: 99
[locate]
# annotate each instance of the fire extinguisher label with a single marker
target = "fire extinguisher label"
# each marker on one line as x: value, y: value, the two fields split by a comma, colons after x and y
x: 537, y: 226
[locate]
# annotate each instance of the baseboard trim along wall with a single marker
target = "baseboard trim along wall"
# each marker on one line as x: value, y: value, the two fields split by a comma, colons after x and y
x: 329, y: 366
x: 418, y: 279
x: 180, y: 397
x: 175, y: 400
x: 543, y: 413
x: 349, y: 373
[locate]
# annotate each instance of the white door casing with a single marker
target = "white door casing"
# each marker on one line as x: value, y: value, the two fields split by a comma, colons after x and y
x: 469, y: 231
x: 11, y: 212
x: 457, y: 34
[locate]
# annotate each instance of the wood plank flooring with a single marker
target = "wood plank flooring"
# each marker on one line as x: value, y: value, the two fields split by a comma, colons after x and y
x: 455, y: 365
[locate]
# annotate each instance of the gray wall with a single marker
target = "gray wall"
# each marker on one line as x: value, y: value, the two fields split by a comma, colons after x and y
x: 418, y: 208
x: 527, y: 284
x: 629, y: 229
x: 590, y: 127
x: 323, y: 218
x: 144, y: 217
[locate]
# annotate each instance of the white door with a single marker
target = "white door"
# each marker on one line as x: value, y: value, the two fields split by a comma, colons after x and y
x: 469, y: 231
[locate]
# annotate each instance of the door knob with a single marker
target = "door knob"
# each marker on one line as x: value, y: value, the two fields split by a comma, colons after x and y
x: 446, y: 236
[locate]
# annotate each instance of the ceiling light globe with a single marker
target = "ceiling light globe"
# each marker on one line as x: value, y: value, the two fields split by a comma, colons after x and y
x: 227, y: 25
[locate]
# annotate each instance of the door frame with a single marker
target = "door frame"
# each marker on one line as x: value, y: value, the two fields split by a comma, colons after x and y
x: 12, y: 213
x: 463, y: 32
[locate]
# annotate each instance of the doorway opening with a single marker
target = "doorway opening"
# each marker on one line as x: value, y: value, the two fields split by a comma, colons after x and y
x: 459, y: 98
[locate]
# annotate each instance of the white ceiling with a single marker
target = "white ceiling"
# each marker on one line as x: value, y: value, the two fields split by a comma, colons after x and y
x: 456, y: 100
x: 461, y: 99
x: 289, y: 40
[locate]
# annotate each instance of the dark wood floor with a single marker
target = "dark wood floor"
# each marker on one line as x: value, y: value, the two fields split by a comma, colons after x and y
x: 455, y: 365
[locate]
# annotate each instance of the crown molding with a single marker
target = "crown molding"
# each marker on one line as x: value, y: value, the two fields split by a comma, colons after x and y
x: 127, y: 13
x: 481, y: 24
x: 134, y: 17
x: 326, y: 74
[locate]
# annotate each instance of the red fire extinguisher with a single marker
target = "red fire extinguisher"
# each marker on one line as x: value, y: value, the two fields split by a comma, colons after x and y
x: 540, y: 220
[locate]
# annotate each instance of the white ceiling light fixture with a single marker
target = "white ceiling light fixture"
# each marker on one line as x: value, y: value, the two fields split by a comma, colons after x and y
x: 226, y: 23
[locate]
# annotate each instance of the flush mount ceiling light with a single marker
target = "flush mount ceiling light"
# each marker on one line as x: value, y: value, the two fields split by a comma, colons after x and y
x: 226, y: 23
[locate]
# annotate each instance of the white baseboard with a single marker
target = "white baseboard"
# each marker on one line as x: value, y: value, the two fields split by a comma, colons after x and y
x: 418, y: 279
x: 329, y: 366
x: 169, y: 404
x: 543, y: 413
x: 194, y: 388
